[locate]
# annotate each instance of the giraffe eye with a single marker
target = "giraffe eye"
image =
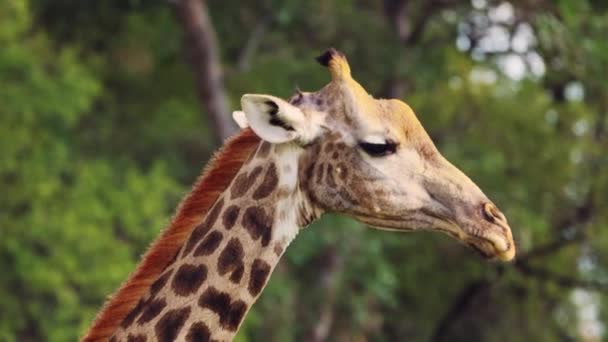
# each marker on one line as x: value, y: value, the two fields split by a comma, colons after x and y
x: 378, y: 150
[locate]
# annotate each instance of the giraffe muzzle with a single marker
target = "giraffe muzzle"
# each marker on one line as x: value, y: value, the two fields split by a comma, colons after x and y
x: 493, y: 238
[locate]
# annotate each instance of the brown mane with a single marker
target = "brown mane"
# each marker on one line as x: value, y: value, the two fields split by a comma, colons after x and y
x: 214, y: 180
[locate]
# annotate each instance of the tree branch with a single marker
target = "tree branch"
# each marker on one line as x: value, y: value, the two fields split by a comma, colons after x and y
x: 253, y: 42
x: 459, y: 306
x: 561, y: 280
x: 551, y: 247
x: 202, y: 47
x: 410, y: 31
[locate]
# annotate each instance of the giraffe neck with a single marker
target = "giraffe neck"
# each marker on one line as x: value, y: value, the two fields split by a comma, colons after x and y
x: 220, y: 271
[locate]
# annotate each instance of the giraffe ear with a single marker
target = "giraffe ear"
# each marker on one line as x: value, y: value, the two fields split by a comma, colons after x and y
x: 239, y: 117
x: 273, y: 119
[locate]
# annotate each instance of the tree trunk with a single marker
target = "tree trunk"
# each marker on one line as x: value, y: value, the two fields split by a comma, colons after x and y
x: 203, y: 52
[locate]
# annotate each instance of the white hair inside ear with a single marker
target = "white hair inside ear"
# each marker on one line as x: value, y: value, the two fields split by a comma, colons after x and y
x: 239, y: 117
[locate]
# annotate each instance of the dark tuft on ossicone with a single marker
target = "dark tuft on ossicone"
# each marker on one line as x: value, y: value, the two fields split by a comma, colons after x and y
x: 328, y: 55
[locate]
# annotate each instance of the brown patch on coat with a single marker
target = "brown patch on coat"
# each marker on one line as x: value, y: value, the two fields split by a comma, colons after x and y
x: 188, y: 279
x: 198, y: 332
x: 244, y: 182
x: 230, y: 216
x: 231, y: 260
x: 209, y: 244
x: 151, y: 310
x: 170, y: 325
x: 203, y: 228
x: 159, y: 283
x: 137, y: 338
x: 258, y: 223
x: 278, y: 249
x: 269, y: 183
x: 130, y: 317
x: 230, y: 313
x: 260, y: 270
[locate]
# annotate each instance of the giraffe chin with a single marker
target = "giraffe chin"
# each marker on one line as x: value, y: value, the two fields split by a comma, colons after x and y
x: 492, y: 246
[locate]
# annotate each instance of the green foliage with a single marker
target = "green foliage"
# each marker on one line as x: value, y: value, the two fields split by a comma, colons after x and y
x: 101, y: 134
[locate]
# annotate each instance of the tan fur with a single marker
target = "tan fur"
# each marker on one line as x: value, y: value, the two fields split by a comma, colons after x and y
x: 213, y: 181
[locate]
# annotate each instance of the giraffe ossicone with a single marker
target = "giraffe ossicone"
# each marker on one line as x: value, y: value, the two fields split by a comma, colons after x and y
x: 334, y: 150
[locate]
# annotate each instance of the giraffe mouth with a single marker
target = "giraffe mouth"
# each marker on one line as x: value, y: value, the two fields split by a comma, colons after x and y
x: 490, y: 245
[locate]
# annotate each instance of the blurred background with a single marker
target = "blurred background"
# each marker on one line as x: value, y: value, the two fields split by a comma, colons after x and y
x: 109, y: 110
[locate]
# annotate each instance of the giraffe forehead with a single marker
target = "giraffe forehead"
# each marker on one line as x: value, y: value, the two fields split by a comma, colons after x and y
x: 347, y: 109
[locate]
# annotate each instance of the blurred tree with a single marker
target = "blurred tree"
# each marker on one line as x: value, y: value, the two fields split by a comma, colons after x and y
x: 101, y: 134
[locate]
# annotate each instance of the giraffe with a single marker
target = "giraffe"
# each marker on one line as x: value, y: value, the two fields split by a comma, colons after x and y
x: 335, y: 150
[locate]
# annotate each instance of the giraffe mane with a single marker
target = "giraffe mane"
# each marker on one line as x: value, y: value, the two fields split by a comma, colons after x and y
x: 216, y: 177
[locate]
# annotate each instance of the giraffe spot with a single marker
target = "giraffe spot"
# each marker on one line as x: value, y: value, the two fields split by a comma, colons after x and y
x: 308, y: 174
x: 329, y: 147
x: 237, y: 274
x: 335, y: 155
x: 231, y: 260
x: 341, y: 146
x: 343, y: 174
x: 244, y: 181
x: 173, y: 258
x: 130, y: 317
x: 268, y: 184
x: 136, y: 338
x: 258, y: 223
x: 283, y: 192
x: 152, y: 310
x: 259, y: 274
x: 198, y: 332
x: 159, y: 283
x: 188, y: 279
x: 331, y: 181
x: 320, y: 170
x: 199, y: 232
x: 230, y: 216
x: 230, y: 313
x: 209, y: 244
x: 170, y: 325
x: 264, y: 149
x: 278, y: 249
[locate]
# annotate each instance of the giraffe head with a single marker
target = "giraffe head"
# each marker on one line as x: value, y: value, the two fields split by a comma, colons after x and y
x: 372, y: 159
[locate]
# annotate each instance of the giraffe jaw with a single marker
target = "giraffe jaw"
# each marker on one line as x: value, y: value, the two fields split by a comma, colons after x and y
x: 490, y: 244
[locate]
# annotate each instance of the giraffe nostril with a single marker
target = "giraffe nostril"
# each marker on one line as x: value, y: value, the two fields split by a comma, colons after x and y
x: 490, y: 212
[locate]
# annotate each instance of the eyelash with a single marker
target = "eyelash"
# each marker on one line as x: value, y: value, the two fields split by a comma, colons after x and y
x: 378, y: 150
